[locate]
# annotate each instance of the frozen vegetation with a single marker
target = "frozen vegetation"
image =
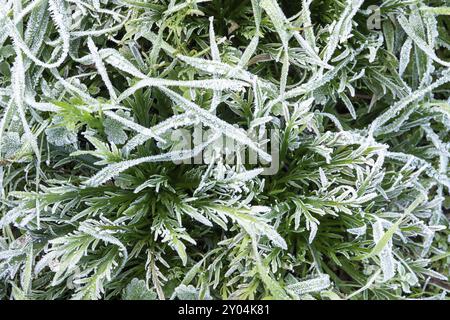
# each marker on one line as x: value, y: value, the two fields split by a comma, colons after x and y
x: 347, y: 101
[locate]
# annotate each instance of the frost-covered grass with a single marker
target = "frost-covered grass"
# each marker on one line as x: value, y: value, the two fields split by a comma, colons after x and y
x: 93, y: 93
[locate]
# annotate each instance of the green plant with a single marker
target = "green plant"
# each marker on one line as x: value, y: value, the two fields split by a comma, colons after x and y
x: 99, y: 201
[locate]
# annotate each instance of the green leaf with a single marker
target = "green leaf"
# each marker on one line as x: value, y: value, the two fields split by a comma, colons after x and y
x: 137, y: 290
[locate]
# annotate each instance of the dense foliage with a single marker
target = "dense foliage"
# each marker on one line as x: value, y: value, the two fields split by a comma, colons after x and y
x: 92, y: 93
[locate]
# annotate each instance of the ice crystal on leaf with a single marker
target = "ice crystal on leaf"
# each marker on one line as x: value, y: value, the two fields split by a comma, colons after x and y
x: 259, y: 149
